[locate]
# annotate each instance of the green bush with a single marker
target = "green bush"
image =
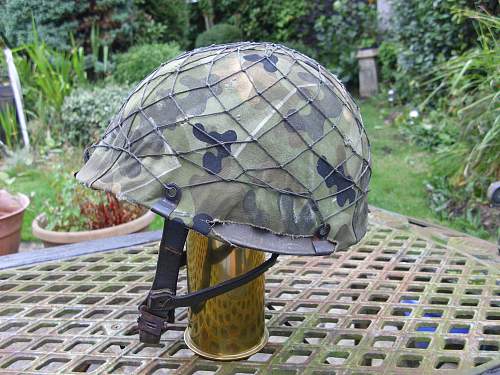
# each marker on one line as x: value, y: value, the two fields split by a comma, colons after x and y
x: 162, y: 20
x: 428, y: 33
x: 47, y: 76
x: 147, y: 30
x: 275, y: 21
x: 86, y: 112
x: 219, y: 34
x: 139, y: 61
x: 461, y: 125
x: 467, y: 94
x: 56, y: 19
x: 388, y: 62
x: 330, y: 31
x: 350, y: 25
x: 459, y: 206
x: 429, y: 132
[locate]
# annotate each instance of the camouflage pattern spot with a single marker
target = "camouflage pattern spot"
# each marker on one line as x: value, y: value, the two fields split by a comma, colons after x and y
x: 343, y: 234
x: 336, y: 177
x: 213, y: 162
x: 300, y: 221
x: 143, y: 142
x: 308, y: 77
x: 195, y: 101
x: 312, y: 123
x: 257, y: 214
x: 133, y: 172
x: 360, y: 220
x: 268, y: 62
x: 166, y: 110
x: 330, y: 106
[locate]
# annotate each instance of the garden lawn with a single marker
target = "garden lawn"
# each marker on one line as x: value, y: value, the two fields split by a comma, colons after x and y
x: 399, y: 169
x: 397, y: 184
x: 35, y: 184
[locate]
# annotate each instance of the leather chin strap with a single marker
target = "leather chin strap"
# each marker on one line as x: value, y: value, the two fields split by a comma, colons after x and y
x: 158, y: 308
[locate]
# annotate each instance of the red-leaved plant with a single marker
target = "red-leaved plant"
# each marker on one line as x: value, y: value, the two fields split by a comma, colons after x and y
x: 77, y: 208
x: 109, y: 212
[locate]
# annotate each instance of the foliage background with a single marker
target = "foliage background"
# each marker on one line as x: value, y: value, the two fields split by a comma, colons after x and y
x: 77, y: 59
x: 56, y: 19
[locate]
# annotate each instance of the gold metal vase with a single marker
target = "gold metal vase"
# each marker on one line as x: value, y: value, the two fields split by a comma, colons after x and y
x: 230, y: 326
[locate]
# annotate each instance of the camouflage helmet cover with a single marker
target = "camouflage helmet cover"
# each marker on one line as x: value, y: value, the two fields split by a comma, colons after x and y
x: 266, y: 146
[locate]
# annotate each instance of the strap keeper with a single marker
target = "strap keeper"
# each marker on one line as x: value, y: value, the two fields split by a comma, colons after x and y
x: 150, y: 326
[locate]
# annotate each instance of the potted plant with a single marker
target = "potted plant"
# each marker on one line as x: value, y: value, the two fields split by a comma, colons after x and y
x: 78, y: 214
x: 12, y: 209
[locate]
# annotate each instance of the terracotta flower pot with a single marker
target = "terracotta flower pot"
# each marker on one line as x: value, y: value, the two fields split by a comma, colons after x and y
x: 53, y: 238
x: 10, y: 227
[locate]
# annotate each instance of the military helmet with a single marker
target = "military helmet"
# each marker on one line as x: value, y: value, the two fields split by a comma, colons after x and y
x: 254, y: 144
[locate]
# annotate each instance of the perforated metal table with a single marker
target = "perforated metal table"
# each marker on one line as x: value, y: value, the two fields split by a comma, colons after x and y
x: 407, y: 298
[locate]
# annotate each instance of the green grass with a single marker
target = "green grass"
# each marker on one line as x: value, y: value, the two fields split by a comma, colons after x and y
x: 399, y: 168
x: 399, y: 171
x: 36, y: 185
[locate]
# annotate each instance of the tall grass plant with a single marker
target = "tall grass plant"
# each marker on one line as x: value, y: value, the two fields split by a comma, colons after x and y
x: 9, y: 127
x: 467, y: 92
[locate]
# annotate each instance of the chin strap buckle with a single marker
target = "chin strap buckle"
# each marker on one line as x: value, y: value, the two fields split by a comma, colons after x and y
x: 151, y: 326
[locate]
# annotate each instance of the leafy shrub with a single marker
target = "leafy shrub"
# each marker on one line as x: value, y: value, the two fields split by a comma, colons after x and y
x: 330, y: 31
x: 429, y: 132
x: 163, y: 20
x: 276, y: 21
x: 47, y: 76
x: 467, y: 91
x: 139, y: 61
x: 460, y: 206
x: 86, y: 112
x: 48, y: 72
x: 219, y: 34
x: 147, y: 30
x: 388, y: 62
x: 56, y: 19
x: 76, y: 208
x: 340, y: 32
x: 427, y: 33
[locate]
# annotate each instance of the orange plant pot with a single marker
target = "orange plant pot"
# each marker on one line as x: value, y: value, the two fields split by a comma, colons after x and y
x: 52, y: 238
x: 10, y: 228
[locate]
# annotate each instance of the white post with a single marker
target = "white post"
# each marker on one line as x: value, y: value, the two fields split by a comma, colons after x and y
x: 18, y: 96
x: 368, y: 81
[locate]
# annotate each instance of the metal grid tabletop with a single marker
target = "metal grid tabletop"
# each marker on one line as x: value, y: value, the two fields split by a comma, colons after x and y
x: 394, y: 304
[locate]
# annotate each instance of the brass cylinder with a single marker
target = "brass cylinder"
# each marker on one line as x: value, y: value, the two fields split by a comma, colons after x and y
x: 230, y: 326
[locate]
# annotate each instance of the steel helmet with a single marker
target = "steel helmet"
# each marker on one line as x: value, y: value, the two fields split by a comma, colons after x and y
x: 253, y: 144
x: 260, y: 145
